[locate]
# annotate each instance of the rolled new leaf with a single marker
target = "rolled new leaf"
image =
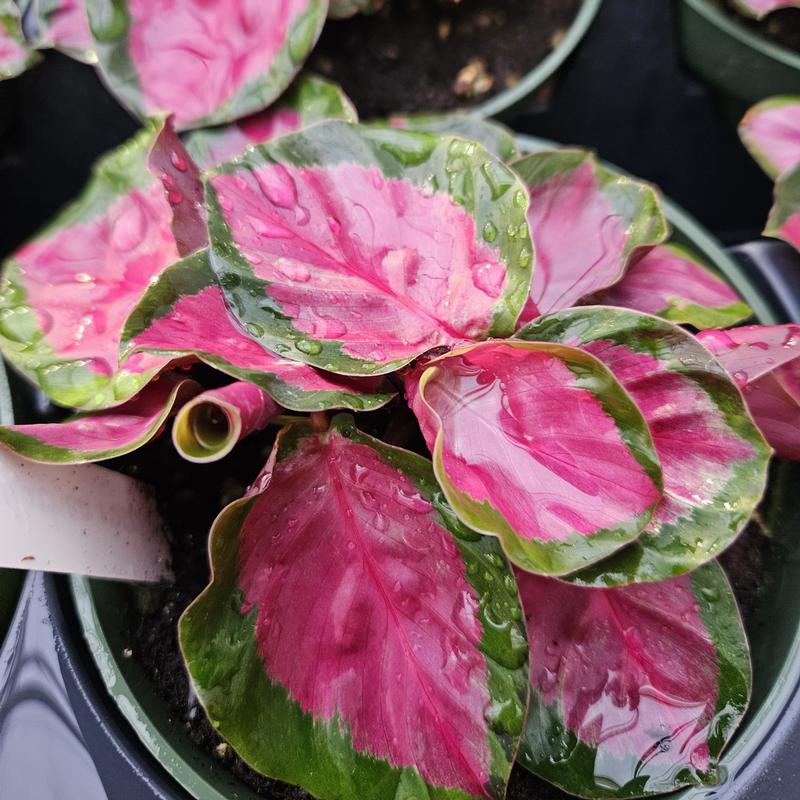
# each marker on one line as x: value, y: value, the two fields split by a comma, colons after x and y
x: 496, y: 138
x: 206, y: 62
x: 60, y: 24
x: 356, y: 249
x: 635, y: 691
x: 183, y: 313
x: 760, y: 8
x: 587, y: 223
x: 15, y: 55
x: 764, y: 360
x: 670, y: 282
x: 309, y: 99
x: 104, y: 434
x: 539, y: 445
x: 713, y: 458
x: 356, y: 639
x: 65, y: 295
x: 208, y: 426
x: 771, y: 132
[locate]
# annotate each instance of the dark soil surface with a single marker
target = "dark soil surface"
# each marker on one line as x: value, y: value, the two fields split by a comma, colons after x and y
x: 782, y: 26
x: 436, y: 55
x: 191, y: 495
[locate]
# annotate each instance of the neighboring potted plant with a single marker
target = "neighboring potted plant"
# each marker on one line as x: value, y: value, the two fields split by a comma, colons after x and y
x: 422, y: 57
x: 307, y: 270
x: 745, y: 48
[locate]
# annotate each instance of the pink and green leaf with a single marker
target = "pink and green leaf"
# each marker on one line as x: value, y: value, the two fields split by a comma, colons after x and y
x: 760, y: 8
x: 771, y: 132
x: 309, y: 99
x: 210, y: 424
x: 65, y: 295
x: 587, y: 224
x: 670, y: 282
x: 15, y: 54
x: 63, y: 25
x: 340, y: 9
x: 206, y: 62
x: 103, y: 434
x: 713, y: 458
x: 784, y: 216
x: 764, y: 360
x: 356, y: 249
x: 183, y: 313
x: 356, y: 639
x: 539, y: 445
x: 496, y: 138
x: 636, y: 690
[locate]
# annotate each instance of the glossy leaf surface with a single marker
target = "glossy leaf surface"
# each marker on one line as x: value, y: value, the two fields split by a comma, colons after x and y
x: 587, y: 222
x: 356, y: 639
x: 206, y: 61
x: 103, y: 434
x: 61, y: 24
x: 771, y: 132
x: 635, y: 691
x: 184, y: 313
x: 65, y: 295
x: 356, y: 249
x: 670, y: 282
x: 496, y: 138
x: 713, y: 458
x: 764, y: 360
x: 309, y: 99
x: 208, y: 426
x: 540, y: 446
x: 15, y: 55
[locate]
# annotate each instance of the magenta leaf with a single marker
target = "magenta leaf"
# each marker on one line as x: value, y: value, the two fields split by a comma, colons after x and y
x: 102, y: 434
x: 771, y: 132
x: 61, y: 24
x: 713, y: 458
x: 356, y: 249
x: 183, y: 313
x: 15, y: 55
x: 636, y: 690
x: 764, y: 360
x: 309, y: 99
x: 206, y: 62
x: 760, y: 8
x: 587, y: 223
x: 356, y: 639
x: 670, y: 282
x: 208, y: 426
x: 514, y: 461
x: 65, y: 295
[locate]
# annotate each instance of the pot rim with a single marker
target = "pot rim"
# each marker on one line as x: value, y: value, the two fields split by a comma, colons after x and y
x: 743, y: 35
x: 545, y: 68
x: 750, y: 739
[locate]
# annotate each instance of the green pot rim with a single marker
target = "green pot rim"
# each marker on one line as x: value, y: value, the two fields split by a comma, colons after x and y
x: 744, y: 35
x: 125, y: 694
x: 545, y: 68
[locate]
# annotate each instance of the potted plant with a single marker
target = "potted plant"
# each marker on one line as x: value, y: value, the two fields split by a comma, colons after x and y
x: 744, y: 48
x: 280, y: 238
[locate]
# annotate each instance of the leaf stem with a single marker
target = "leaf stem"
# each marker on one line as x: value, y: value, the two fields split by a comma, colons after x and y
x: 319, y: 421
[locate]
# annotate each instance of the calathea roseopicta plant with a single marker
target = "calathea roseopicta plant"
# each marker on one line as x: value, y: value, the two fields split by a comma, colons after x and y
x: 539, y: 587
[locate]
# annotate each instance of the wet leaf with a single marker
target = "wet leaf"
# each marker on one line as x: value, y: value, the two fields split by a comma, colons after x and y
x: 714, y: 460
x: 356, y: 249
x: 65, y: 295
x: 183, y: 313
x: 587, y: 224
x: 356, y: 639
x: 635, y: 691
x: 206, y: 62
x: 539, y: 445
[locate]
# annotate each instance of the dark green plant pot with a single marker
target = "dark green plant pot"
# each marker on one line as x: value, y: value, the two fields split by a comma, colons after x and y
x: 10, y: 579
x: 105, y: 608
x: 732, y: 58
x: 522, y: 96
